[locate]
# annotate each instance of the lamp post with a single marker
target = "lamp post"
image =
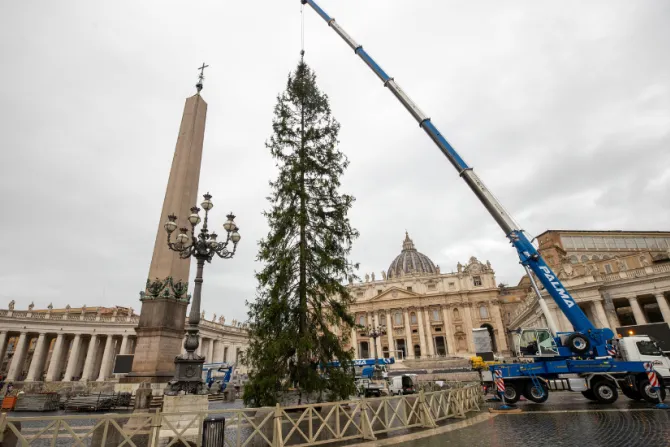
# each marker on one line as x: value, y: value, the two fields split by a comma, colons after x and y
x: 203, y: 247
x: 375, y: 332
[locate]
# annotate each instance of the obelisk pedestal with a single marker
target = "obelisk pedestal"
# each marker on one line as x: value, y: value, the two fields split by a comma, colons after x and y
x: 160, y: 332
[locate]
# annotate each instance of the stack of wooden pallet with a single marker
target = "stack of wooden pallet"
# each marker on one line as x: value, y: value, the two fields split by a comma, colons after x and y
x: 37, y: 402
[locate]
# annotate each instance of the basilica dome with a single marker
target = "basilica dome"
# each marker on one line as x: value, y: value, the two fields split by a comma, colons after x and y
x: 410, y: 261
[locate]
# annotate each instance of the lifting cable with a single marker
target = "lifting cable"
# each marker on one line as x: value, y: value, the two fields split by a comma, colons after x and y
x: 302, y: 31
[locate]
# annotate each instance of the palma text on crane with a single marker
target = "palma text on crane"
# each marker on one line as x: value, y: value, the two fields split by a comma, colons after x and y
x: 557, y: 286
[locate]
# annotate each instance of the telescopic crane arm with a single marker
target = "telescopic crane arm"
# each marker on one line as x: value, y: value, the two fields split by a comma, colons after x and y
x: 528, y: 255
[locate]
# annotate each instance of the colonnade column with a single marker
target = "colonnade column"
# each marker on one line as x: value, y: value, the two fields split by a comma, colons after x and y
x: 210, y: 351
x: 409, y: 349
x: 37, y: 365
x: 106, y: 359
x: 53, y: 373
x: 3, y: 346
x: 663, y: 306
x: 637, y: 311
x: 429, y: 333
x: 389, y: 334
x: 448, y: 329
x: 422, y: 334
x: 600, y: 314
x: 91, y: 356
x: 124, y: 345
x: 70, y: 370
x: 19, y: 357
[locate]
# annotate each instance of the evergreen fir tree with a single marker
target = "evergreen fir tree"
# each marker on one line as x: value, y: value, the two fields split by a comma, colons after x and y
x: 301, y: 294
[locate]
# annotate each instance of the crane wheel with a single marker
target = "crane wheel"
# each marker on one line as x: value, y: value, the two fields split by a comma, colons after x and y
x: 631, y: 393
x: 512, y: 394
x: 578, y: 343
x: 649, y: 394
x: 537, y: 394
x: 589, y: 395
x: 605, y: 392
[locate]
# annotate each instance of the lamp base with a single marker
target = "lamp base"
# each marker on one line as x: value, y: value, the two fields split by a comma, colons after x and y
x: 187, y: 377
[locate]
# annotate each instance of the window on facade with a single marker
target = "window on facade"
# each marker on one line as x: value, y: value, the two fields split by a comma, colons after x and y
x: 457, y: 315
x: 361, y: 320
x: 595, y: 258
x: 477, y: 280
x: 398, y: 318
x: 608, y: 268
x: 379, y: 291
x: 652, y: 243
x: 431, y: 287
x: 588, y: 241
x: 436, y: 315
x: 584, y: 258
x: 568, y: 244
x: 409, y: 288
x: 412, y: 318
x: 573, y: 259
x: 483, y: 312
x: 382, y: 320
x: 452, y: 286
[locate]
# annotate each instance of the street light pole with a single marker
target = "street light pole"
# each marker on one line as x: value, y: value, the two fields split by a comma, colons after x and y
x: 203, y: 247
x: 375, y: 332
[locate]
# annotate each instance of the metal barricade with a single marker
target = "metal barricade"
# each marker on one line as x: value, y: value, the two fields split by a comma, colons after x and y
x: 213, y: 431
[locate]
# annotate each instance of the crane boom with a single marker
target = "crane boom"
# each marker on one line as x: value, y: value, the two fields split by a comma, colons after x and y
x: 528, y: 255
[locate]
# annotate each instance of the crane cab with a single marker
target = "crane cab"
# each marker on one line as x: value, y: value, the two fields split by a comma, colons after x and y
x: 535, y: 343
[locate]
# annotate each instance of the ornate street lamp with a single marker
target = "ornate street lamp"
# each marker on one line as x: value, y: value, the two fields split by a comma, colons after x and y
x: 375, y: 332
x: 203, y: 247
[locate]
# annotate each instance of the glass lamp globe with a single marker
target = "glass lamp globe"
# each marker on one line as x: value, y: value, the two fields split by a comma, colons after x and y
x: 170, y: 226
x: 235, y: 237
x: 207, y: 204
x: 194, y: 219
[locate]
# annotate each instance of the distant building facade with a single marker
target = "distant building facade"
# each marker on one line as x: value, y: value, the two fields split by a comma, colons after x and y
x: 618, y: 278
x: 427, y: 313
x: 80, y: 344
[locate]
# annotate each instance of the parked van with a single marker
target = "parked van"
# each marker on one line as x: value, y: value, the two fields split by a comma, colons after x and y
x: 401, y: 385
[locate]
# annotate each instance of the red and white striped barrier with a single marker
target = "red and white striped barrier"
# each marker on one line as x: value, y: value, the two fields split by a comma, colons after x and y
x: 651, y: 375
x: 500, y: 384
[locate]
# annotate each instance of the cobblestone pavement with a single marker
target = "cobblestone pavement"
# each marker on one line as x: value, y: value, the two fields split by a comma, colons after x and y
x: 567, y: 419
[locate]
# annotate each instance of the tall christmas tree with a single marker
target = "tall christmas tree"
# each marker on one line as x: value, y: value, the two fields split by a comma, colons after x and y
x: 301, y: 295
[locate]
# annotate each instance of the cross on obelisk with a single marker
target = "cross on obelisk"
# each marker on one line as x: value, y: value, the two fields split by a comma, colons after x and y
x: 201, y: 77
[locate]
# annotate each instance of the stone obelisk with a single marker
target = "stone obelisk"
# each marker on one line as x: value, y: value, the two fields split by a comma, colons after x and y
x: 160, y: 332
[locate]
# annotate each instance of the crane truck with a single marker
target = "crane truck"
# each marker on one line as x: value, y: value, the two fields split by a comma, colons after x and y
x: 583, y: 354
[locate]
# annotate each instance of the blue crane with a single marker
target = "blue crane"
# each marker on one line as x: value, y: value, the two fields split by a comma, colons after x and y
x: 585, y: 351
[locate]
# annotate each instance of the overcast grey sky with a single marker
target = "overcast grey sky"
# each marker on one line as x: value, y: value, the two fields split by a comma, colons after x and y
x: 563, y: 108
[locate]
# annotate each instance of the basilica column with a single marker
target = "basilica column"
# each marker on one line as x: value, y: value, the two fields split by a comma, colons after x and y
x: 449, y: 331
x: 468, y: 326
x: 663, y: 306
x: 389, y: 333
x: 53, y: 373
x: 378, y: 341
x: 210, y: 351
x: 70, y: 370
x: 106, y: 359
x: 600, y: 314
x: 429, y: 333
x: 354, y: 342
x: 422, y: 334
x: 409, y: 348
x: 637, y: 311
x: 3, y: 345
x: 501, y: 339
x: 36, y: 366
x: 91, y: 356
x: 15, y: 368
x: 218, y: 354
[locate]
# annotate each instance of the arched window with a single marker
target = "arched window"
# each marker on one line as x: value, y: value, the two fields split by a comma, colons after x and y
x: 412, y: 318
x: 573, y: 259
x: 361, y: 320
x: 398, y: 318
x: 457, y: 315
x: 585, y: 258
x: 382, y: 320
x: 436, y: 315
x: 595, y: 258
x: 483, y: 312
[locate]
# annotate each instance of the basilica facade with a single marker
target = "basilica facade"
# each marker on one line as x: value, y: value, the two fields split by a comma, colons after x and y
x: 426, y: 313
